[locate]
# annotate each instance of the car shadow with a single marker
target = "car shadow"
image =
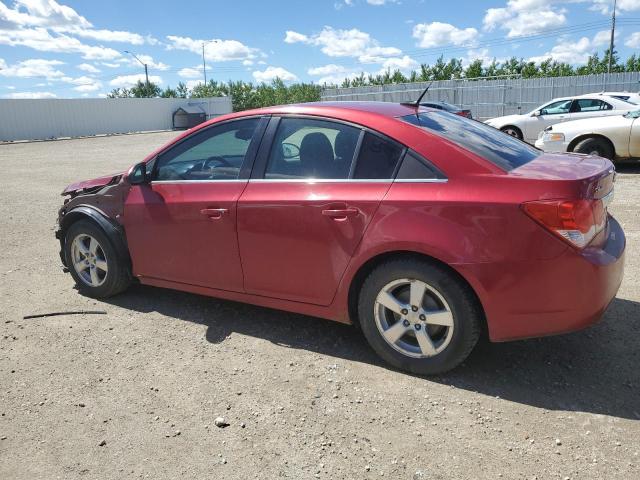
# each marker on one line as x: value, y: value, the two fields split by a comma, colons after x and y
x: 629, y: 166
x: 594, y: 370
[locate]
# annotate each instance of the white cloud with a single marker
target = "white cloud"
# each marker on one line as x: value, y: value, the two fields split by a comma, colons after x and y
x: 128, y: 81
x: 574, y: 52
x: 86, y: 84
x: 40, y: 39
x: 404, y: 63
x: 87, y: 67
x: 215, y: 50
x: 436, y: 34
x: 108, y: 35
x: 31, y: 95
x: 346, y: 43
x: 148, y: 59
x: 633, y: 40
x: 193, y: 83
x: 35, y: 67
x: 604, y: 6
x: 271, y: 73
x: 295, y: 37
x: 195, y: 72
x: 525, y: 17
x: 330, y: 69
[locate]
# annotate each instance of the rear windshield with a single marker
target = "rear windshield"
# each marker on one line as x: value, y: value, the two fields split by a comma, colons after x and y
x: 491, y: 144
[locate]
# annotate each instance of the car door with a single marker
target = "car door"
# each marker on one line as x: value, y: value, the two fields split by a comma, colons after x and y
x: 634, y: 137
x: 590, y: 107
x: 314, y: 190
x: 181, y: 226
x: 550, y: 114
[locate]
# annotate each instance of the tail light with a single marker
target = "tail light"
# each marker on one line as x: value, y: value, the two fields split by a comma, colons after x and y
x: 575, y: 221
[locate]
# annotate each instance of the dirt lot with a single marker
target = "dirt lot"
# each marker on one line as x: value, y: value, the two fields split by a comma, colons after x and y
x: 305, y: 398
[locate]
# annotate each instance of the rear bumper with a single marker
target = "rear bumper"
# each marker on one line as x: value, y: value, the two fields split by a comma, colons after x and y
x: 547, y: 297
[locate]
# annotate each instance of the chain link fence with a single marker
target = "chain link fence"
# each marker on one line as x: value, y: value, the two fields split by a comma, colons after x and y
x: 491, y: 97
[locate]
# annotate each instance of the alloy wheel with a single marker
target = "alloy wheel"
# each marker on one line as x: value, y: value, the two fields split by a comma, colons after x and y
x: 89, y: 260
x: 414, y: 318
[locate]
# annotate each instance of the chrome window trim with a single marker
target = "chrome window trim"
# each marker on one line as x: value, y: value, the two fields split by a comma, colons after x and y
x: 199, y: 181
x: 320, y: 180
x: 421, y: 180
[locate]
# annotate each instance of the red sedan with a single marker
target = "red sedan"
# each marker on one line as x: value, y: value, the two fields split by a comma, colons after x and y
x: 420, y: 226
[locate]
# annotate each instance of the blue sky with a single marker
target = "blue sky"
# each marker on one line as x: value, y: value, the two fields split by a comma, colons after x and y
x: 73, y: 48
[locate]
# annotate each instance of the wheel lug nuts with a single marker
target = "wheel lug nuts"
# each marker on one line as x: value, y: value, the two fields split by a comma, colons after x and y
x: 405, y: 323
x: 418, y: 326
x: 404, y: 311
x: 414, y: 308
x: 423, y: 318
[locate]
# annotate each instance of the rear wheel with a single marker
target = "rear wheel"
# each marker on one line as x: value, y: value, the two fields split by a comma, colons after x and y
x: 93, y: 263
x: 595, y: 146
x: 513, y: 131
x: 418, y: 316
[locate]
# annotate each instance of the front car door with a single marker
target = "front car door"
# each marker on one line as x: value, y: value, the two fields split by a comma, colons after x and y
x: 549, y: 114
x: 316, y: 185
x: 181, y: 227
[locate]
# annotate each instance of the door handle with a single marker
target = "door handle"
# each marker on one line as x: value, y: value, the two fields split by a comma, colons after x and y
x: 214, y: 213
x: 340, y: 213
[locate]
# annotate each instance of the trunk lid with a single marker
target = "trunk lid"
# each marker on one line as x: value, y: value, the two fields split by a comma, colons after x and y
x: 593, y: 176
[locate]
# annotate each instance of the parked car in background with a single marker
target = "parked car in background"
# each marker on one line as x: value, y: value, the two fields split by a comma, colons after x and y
x: 615, y: 137
x: 528, y: 126
x: 447, y: 107
x: 422, y: 227
x: 626, y: 96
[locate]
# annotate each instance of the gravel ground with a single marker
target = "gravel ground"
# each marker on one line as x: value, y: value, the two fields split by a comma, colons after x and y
x: 135, y: 393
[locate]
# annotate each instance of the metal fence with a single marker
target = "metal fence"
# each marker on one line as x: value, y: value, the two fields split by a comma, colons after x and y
x: 40, y: 119
x: 488, y: 98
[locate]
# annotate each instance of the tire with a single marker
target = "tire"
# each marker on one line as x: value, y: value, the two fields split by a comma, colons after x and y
x: 595, y: 146
x: 444, y: 293
x: 97, y: 269
x: 512, y: 131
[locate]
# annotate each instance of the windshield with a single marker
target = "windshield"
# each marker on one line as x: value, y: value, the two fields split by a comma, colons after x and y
x: 489, y: 143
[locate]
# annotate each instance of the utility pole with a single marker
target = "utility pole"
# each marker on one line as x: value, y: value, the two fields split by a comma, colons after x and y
x: 146, y: 71
x: 613, y: 31
x: 204, y: 64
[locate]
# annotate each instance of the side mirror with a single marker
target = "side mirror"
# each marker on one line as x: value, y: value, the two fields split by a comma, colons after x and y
x: 138, y: 174
x: 537, y: 113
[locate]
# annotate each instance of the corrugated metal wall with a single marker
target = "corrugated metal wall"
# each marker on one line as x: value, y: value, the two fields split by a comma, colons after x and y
x: 492, y: 98
x: 41, y: 119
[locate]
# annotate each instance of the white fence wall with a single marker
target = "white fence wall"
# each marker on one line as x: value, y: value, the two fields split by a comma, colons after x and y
x: 40, y: 119
x: 495, y: 97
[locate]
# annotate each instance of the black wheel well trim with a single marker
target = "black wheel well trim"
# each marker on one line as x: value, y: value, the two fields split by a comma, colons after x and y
x: 114, y: 232
x: 367, y: 267
x: 585, y: 136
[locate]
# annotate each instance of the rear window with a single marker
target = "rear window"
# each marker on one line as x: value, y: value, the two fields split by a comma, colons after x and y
x: 491, y: 144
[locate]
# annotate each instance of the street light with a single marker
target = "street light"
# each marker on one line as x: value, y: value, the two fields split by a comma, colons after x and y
x: 204, y: 65
x: 146, y: 71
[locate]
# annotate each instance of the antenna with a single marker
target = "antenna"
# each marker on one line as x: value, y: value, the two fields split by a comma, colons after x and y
x: 417, y: 102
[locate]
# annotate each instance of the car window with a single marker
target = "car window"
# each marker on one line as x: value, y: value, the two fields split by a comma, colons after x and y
x: 216, y: 153
x: 487, y: 142
x: 589, y: 105
x: 414, y: 167
x: 310, y: 148
x: 556, y: 108
x: 377, y: 158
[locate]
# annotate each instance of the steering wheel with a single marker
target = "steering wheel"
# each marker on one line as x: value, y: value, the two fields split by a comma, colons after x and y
x: 221, y: 160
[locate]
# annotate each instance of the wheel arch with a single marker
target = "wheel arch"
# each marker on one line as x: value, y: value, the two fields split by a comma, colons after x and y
x: 113, y: 231
x: 368, y: 266
x: 585, y: 136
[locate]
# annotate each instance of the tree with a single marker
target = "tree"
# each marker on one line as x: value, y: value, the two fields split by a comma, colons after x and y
x: 119, y: 93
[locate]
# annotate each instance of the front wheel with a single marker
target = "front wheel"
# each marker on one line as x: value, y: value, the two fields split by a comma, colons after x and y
x: 418, y: 316
x: 595, y: 146
x: 512, y: 131
x: 93, y: 263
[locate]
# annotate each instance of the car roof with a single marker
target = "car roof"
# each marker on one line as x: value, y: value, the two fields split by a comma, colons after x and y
x: 386, y: 109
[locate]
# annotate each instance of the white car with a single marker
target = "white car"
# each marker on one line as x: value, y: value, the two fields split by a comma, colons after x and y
x: 614, y: 137
x: 626, y: 96
x: 527, y: 126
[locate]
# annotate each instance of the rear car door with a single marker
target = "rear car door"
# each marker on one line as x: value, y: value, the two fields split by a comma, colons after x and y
x: 181, y: 227
x: 315, y: 187
x: 590, y: 107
